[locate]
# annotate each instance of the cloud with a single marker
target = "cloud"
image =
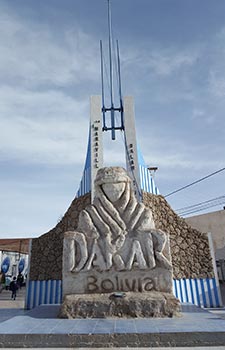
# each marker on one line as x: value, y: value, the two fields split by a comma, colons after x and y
x: 217, y: 82
x: 166, y: 62
x: 216, y: 76
x: 44, y: 110
x: 162, y: 61
x: 42, y: 127
x: 32, y: 55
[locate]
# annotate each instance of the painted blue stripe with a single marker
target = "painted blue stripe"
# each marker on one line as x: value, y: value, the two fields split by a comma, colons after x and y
x: 175, y: 285
x: 82, y: 190
x: 141, y: 179
x: 84, y: 179
x: 51, y: 292
x: 152, y: 185
x: 191, y: 289
x: 147, y: 179
x: 181, y: 292
x: 209, y: 292
x: 82, y: 186
x: 85, y: 184
x: 57, y: 292
x: 34, y: 296
x: 144, y: 176
x: 148, y: 183
x: 88, y: 156
x: 40, y: 292
x: 216, y: 292
x: 46, y: 292
x: 197, y: 292
x: 203, y: 292
x: 185, y: 289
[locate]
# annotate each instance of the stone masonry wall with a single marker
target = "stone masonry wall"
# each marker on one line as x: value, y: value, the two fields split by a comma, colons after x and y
x: 46, y: 252
x: 189, y: 247
x: 190, y: 251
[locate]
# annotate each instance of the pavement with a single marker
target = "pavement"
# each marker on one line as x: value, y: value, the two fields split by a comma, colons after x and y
x: 40, y: 328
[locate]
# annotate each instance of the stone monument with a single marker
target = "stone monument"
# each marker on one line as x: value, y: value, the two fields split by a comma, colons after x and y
x: 116, y: 264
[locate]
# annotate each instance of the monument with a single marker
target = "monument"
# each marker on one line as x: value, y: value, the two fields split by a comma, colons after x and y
x: 116, y: 263
x: 107, y: 257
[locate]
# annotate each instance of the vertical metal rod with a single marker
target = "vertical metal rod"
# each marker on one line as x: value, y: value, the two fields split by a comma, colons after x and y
x: 103, y: 93
x: 120, y: 86
x: 111, y: 71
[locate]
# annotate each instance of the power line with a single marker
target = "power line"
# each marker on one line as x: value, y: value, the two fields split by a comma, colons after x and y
x: 195, y: 182
x: 202, y: 208
x: 199, y: 204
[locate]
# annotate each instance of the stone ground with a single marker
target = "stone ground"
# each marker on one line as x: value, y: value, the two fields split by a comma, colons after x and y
x: 15, y: 320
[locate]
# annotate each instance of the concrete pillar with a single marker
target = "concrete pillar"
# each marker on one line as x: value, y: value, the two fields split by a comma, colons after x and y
x: 131, y: 145
x: 211, y: 247
x: 96, y: 139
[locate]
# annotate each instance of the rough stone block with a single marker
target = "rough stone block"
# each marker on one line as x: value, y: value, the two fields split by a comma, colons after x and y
x: 126, y: 305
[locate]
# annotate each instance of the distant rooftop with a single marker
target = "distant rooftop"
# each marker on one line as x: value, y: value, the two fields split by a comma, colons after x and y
x: 20, y: 245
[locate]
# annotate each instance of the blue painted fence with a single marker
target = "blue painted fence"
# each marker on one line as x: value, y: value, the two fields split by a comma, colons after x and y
x: 43, y: 292
x: 201, y: 292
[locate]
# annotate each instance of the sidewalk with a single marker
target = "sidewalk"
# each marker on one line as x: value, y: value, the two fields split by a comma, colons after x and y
x: 41, y: 328
x: 7, y: 302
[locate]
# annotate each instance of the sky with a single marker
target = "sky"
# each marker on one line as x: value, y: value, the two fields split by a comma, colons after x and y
x: 172, y: 63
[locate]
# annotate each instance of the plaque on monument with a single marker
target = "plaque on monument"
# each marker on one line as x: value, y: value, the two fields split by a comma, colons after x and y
x: 116, y: 253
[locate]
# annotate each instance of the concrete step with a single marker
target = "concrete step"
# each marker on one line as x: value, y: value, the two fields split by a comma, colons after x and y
x: 41, y: 328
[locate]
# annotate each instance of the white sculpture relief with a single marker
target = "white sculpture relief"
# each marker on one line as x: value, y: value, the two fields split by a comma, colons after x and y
x: 116, y: 231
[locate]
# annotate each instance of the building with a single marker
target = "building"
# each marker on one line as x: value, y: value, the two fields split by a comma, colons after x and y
x: 214, y: 223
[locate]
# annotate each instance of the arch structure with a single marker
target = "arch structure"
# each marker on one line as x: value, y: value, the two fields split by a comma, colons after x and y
x: 135, y: 164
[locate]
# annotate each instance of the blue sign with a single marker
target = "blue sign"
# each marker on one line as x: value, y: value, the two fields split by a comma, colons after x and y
x: 21, y: 265
x: 5, y: 265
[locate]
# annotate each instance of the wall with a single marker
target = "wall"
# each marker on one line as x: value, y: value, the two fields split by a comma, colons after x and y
x: 46, y: 252
x: 189, y: 247
x: 215, y: 223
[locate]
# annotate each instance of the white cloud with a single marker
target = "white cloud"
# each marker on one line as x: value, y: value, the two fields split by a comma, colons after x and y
x: 33, y: 55
x: 162, y: 62
x: 216, y: 77
x: 217, y: 82
x: 197, y: 113
x: 44, y: 127
x: 39, y: 121
x: 166, y: 62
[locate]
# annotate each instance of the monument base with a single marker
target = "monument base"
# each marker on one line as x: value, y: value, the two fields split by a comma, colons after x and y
x: 122, y: 305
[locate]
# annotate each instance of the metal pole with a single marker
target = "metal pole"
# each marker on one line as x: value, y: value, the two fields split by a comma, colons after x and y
x: 103, y: 94
x: 111, y: 71
x: 120, y: 86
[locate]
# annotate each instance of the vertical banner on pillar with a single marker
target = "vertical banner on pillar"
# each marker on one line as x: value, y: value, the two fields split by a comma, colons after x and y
x: 96, y: 139
x: 131, y: 145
